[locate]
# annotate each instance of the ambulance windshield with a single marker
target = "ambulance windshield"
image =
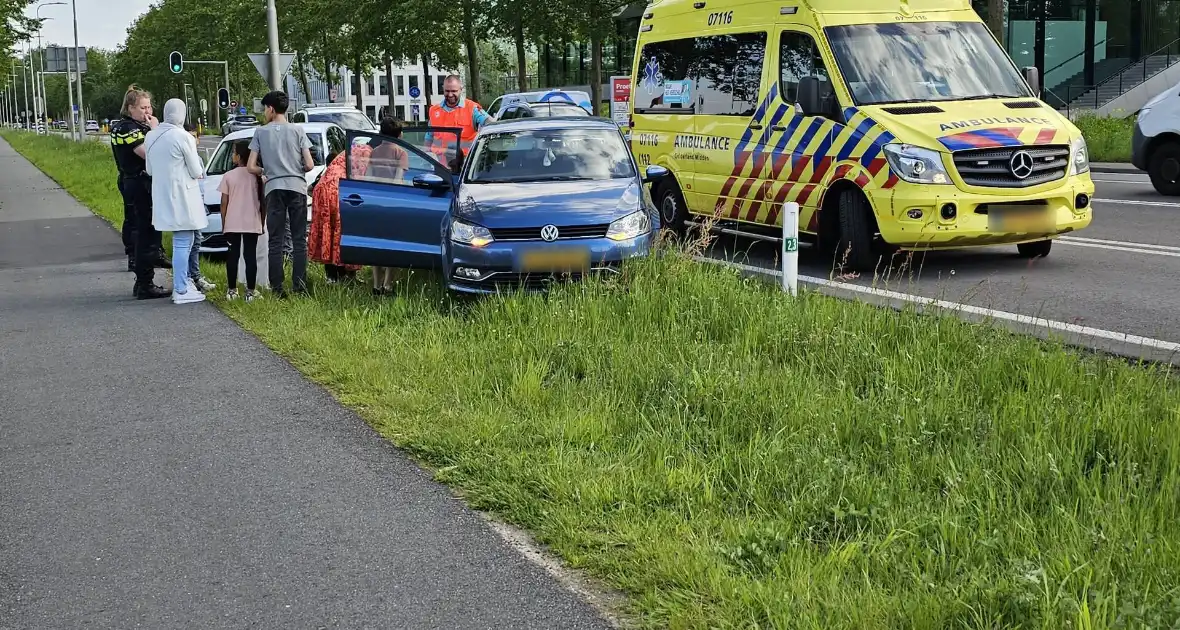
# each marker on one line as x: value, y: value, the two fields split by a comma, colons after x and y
x: 922, y: 62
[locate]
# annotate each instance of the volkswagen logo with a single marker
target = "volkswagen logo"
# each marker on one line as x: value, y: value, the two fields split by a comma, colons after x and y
x: 549, y: 233
x: 1021, y: 165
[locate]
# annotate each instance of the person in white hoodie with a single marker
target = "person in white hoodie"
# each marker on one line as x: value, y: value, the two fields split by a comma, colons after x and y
x: 175, y: 167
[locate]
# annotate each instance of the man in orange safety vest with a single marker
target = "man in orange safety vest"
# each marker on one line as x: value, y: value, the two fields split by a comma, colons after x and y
x: 455, y: 112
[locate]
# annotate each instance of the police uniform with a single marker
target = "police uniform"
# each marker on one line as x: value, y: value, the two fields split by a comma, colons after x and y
x: 136, y: 187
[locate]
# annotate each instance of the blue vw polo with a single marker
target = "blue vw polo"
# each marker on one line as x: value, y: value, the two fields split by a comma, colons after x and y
x: 535, y: 199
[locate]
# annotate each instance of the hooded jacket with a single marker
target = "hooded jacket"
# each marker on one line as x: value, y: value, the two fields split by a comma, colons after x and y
x: 174, y: 166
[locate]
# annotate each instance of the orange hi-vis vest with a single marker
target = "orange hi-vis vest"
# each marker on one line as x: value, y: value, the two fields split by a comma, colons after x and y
x: 462, y: 117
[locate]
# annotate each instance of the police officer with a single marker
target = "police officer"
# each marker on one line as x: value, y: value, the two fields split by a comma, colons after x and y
x: 127, y: 136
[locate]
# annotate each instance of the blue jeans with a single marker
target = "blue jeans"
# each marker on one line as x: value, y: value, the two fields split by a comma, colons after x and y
x: 182, y: 246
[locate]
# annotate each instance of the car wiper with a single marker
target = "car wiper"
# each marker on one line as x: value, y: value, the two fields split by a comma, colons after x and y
x: 984, y: 97
x: 562, y: 178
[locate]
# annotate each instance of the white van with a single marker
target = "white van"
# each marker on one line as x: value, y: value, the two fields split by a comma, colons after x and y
x: 1155, y: 143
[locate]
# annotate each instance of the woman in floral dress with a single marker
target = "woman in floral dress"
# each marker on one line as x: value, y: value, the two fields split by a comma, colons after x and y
x: 323, y: 242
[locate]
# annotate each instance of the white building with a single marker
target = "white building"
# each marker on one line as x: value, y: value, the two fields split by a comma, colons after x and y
x: 374, y: 90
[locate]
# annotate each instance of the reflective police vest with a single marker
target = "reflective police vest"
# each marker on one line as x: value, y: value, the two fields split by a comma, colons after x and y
x: 462, y: 117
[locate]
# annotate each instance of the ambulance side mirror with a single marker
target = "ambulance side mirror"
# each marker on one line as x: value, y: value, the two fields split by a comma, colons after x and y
x: 811, y: 97
x: 1033, y: 77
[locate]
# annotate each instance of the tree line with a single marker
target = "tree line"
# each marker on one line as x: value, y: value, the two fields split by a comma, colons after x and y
x: 489, y: 38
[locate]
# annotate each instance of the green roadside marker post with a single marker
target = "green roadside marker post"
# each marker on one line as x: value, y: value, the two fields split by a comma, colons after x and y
x: 791, y: 248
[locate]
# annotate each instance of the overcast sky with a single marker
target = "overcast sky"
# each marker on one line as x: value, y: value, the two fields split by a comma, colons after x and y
x: 101, y: 23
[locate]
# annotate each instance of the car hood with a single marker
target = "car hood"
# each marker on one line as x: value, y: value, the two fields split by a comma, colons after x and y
x: 212, y: 197
x: 538, y: 203
x: 973, y: 124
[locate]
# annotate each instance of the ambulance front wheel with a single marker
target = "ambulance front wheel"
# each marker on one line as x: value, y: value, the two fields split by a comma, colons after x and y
x: 673, y: 211
x: 856, y: 248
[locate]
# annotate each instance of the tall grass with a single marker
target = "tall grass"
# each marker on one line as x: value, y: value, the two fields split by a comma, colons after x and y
x: 730, y: 457
x: 1108, y: 139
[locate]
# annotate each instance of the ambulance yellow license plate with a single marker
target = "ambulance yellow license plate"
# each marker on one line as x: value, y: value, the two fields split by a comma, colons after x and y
x: 555, y: 260
x: 1030, y: 219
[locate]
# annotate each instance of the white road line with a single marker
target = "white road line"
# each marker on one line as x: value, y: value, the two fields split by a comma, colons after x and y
x: 1040, y: 322
x: 1138, y: 202
x: 1124, y: 249
x: 1099, y: 241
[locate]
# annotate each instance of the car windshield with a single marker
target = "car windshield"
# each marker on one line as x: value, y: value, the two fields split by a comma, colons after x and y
x: 924, y: 61
x: 317, y: 148
x: 346, y: 119
x: 539, y: 155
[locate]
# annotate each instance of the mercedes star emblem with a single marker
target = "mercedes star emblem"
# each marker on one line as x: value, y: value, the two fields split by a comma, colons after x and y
x: 549, y: 233
x: 1021, y: 165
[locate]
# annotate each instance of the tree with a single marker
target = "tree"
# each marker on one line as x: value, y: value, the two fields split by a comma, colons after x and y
x: 995, y: 18
x: 16, y: 27
x: 594, y: 21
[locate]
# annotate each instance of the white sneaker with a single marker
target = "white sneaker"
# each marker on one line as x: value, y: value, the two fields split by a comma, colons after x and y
x: 231, y: 295
x: 253, y: 295
x: 191, y: 296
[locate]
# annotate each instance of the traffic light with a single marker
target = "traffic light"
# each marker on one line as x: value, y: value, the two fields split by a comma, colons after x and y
x: 176, y: 62
x: 223, y: 98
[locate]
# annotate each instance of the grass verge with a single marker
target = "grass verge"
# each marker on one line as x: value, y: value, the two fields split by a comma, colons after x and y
x: 730, y: 457
x: 1108, y: 139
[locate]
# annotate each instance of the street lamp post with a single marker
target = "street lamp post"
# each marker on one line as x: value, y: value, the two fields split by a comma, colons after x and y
x: 25, y: 82
x: 44, y: 96
x: 272, y: 31
x: 78, y: 58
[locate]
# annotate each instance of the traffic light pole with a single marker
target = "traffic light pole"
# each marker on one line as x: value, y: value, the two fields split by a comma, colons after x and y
x: 225, y: 68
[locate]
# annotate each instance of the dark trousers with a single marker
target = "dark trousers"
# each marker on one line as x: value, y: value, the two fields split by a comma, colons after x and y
x: 335, y: 272
x: 130, y: 224
x: 240, y: 244
x: 287, y: 209
x: 146, y: 235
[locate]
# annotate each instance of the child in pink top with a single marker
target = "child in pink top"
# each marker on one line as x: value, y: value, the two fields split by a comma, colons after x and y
x: 241, y: 221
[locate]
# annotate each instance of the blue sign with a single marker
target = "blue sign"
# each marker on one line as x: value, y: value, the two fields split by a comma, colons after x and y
x: 415, y: 92
x: 242, y: 111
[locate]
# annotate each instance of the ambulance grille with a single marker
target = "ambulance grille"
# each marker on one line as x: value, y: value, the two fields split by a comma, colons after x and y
x: 1024, y: 105
x: 991, y: 168
x: 914, y: 109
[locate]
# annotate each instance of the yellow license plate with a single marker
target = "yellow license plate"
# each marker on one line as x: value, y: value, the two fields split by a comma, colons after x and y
x: 1017, y: 219
x: 555, y: 260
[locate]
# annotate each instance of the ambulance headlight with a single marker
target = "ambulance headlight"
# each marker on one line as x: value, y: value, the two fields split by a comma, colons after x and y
x: 916, y: 165
x: 1079, y: 156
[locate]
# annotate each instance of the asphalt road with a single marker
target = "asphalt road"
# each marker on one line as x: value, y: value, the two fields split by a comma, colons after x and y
x: 1117, y: 275
x: 161, y: 468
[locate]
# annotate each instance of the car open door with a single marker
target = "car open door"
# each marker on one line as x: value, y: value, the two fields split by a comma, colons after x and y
x: 395, y: 196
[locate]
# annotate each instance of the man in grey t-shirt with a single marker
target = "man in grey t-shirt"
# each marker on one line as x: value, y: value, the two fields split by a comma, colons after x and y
x: 286, y: 156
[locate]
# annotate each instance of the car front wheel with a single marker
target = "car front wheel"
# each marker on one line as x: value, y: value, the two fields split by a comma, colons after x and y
x: 1164, y: 168
x: 673, y: 212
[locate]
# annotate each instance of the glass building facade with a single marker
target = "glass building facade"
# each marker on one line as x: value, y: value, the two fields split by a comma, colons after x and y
x: 1077, y: 44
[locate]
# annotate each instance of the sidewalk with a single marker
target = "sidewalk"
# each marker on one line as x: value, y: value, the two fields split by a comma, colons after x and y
x: 160, y: 468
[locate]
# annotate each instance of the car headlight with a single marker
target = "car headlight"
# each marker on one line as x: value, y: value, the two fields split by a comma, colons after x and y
x: 470, y: 234
x: 1079, y: 156
x: 916, y: 165
x: 631, y: 226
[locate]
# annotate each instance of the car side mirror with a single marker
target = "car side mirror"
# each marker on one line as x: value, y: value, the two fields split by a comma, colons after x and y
x: 655, y: 173
x: 811, y: 99
x: 430, y: 181
x: 1033, y: 77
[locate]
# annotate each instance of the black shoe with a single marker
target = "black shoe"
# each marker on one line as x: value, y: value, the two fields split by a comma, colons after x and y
x: 163, y: 263
x: 151, y: 292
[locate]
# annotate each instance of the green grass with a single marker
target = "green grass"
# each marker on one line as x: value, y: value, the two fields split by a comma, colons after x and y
x: 1108, y: 139
x: 730, y: 457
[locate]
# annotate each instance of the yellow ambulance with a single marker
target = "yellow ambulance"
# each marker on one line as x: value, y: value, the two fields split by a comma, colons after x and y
x: 892, y: 123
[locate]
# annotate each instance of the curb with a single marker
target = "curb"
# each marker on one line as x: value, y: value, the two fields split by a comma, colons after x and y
x: 1119, y: 169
